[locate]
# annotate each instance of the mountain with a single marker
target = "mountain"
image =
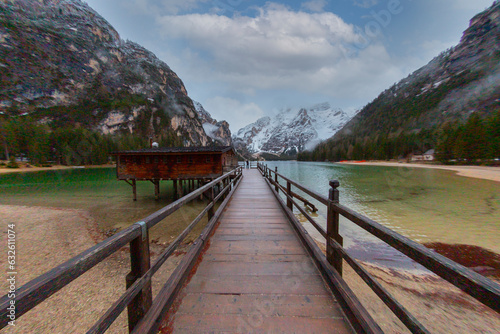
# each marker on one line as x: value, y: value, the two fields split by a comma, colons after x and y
x: 412, y: 114
x: 290, y: 131
x: 218, y: 131
x: 64, y: 65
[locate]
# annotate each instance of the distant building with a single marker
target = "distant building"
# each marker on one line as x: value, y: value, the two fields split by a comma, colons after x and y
x: 183, y: 164
x: 427, y: 156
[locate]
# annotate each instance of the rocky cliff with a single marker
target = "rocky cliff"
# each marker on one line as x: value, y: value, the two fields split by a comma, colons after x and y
x: 459, y: 82
x: 65, y: 65
x: 436, y: 107
x: 217, y: 130
x: 290, y: 131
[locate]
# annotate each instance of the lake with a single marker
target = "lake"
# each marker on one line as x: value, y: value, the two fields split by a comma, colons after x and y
x: 426, y: 205
x: 97, y: 190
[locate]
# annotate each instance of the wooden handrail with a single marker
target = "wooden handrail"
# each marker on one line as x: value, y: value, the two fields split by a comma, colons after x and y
x: 36, y: 291
x: 358, y: 316
x: 151, y: 322
x: 114, y: 311
x: 477, y: 286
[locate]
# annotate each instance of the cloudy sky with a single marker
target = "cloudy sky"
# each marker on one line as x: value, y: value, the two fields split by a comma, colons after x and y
x: 243, y: 59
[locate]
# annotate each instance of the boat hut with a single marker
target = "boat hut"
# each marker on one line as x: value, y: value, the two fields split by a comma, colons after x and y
x: 187, y: 167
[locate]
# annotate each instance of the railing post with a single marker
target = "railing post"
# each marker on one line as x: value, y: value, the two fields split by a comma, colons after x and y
x: 332, y: 228
x: 276, y: 179
x: 211, y: 211
x: 140, y: 264
x: 289, y: 203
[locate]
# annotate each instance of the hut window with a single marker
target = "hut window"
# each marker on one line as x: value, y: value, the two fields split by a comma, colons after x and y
x: 208, y: 159
x: 156, y: 160
x: 190, y: 160
x: 147, y: 160
x: 165, y: 160
x: 179, y: 160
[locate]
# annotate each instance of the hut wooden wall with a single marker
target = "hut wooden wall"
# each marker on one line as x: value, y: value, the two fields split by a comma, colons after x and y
x: 169, y: 166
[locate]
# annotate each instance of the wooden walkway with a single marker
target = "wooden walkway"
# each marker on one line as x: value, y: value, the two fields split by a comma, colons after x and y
x: 256, y: 277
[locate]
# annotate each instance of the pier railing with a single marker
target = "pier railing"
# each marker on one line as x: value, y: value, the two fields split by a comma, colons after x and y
x: 144, y: 313
x: 251, y: 164
x: 475, y: 285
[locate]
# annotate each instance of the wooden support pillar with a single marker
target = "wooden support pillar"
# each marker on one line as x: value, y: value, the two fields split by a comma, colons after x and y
x: 200, y: 184
x: 140, y: 264
x: 332, y: 228
x: 157, y: 189
x: 174, y: 185
x: 134, y: 189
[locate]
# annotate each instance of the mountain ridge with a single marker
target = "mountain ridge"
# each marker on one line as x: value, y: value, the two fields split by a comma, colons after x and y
x: 81, y: 73
x: 290, y: 131
x: 217, y: 130
x: 412, y: 114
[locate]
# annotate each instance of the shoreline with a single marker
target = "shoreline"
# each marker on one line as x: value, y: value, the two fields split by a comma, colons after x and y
x: 24, y: 169
x: 478, y: 172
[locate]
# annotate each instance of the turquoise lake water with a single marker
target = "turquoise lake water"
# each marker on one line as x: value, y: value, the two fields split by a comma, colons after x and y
x: 426, y: 205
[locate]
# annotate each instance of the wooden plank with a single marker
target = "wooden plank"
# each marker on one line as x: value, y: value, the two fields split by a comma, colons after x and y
x: 273, y: 305
x: 216, y: 269
x: 262, y: 284
x: 257, y: 237
x: 256, y: 247
x: 247, y: 258
x: 253, y: 231
x: 257, y: 324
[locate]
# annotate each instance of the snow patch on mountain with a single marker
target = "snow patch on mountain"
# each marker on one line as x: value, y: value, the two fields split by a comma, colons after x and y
x: 218, y: 131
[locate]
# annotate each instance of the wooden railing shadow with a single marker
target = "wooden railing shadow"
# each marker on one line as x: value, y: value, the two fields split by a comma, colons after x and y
x: 473, y: 284
x: 144, y: 313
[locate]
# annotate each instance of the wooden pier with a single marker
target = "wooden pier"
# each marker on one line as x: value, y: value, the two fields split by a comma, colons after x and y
x: 256, y: 276
x: 253, y: 268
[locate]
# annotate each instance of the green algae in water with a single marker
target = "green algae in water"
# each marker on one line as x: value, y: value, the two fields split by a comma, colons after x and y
x: 97, y: 190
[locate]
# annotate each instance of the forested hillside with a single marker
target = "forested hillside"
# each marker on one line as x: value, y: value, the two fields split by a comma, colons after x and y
x: 436, y: 107
x: 68, y: 82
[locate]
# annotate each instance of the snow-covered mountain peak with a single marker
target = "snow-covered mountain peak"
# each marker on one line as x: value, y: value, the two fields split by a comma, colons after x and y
x: 291, y: 130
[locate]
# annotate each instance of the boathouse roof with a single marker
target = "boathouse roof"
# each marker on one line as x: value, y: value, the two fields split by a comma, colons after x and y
x: 195, y: 149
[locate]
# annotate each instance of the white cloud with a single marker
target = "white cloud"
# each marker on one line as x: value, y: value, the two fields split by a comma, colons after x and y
x: 314, y: 5
x: 233, y: 111
x: 280, y: 49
